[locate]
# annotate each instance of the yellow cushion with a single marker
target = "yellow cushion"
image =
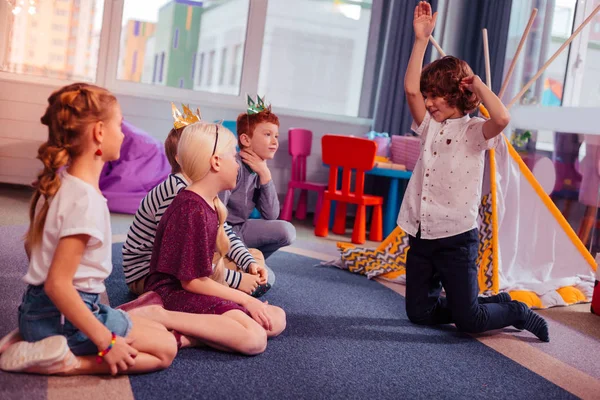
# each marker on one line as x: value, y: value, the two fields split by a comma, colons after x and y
x: 571, y: 295
x: 527, y: 297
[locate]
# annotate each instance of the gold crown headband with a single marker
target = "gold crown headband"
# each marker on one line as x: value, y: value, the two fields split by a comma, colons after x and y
x: 186, y: 118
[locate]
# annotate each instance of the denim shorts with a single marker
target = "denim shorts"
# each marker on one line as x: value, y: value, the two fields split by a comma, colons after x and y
x: 39, y: 318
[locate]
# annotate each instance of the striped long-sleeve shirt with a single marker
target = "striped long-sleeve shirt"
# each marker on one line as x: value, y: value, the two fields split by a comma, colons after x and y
x: 137, y: 250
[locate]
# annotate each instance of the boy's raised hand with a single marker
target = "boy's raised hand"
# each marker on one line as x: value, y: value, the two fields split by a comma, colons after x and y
x: 471, y: 83
x: 423, y: 22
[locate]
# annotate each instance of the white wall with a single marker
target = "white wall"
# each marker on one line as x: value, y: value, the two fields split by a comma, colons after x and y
x: 21, y: 133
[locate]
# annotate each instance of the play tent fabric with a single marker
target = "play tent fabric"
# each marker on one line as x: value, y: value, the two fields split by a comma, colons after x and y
x: 540, y: 260
x: 142, y: 165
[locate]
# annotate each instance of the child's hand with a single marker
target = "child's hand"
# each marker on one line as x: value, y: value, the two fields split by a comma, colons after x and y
x: 257, y: 164
x: 423, y: 21
x: 470, y: 83
x: 258, y: 311
x: 249, y: 283
x: 121, y: 356
x: 257, y: 269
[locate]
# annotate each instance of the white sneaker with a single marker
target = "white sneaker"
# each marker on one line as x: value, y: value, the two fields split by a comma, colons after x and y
x: 10, y: 339
x: 44, y: 353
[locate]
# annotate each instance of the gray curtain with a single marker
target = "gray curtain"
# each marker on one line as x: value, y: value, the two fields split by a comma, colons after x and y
x: 495, y: 16
x: 391, y: 112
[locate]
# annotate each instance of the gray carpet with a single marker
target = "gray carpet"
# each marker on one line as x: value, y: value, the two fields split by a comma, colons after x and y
x: 347, y: 338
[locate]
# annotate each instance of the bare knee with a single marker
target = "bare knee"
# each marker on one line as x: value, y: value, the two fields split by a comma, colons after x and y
x: 278, y: 320
x: 255, y: 343
x: 166, y: 349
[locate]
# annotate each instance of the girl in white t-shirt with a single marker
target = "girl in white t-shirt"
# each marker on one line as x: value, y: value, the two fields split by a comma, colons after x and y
x: 65, y: 329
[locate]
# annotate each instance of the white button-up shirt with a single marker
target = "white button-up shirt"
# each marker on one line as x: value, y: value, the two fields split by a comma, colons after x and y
x: 444, y: 192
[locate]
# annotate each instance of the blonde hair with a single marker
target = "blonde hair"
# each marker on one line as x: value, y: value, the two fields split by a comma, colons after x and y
x: 70, y: 111
x: 194, y: 151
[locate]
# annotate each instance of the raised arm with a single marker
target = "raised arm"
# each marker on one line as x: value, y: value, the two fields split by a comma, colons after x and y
x: 423, y: 24
x: 499, y: 116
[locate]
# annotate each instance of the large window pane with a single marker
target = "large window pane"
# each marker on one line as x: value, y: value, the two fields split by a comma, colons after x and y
x: 590, y: 94
x: 183, y: 43
x: 575, y: 157
x: 56, y: 39
x: 313, y: 54
x: 552, y: 27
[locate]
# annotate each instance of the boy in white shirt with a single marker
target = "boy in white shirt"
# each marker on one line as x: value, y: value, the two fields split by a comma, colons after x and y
x: 439, y: 211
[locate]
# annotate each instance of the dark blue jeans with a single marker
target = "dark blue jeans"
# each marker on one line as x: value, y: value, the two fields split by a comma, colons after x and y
x: 451, y: 263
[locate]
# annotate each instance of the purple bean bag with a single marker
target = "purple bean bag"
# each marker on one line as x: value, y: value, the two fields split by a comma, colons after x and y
x: 142, y: 165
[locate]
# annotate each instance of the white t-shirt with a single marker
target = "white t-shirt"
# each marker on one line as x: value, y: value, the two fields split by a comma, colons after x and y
x: 76, y: 208
x: 444, y: 192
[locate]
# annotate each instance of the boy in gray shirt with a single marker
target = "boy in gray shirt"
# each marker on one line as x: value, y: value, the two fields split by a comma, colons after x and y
x: 258, y: 132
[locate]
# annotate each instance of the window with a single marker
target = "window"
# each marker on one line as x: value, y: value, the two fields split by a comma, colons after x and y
x: 183, y: 32
x: 236, y: 67
x: 56, y: 58
x: 313, y: 55
x: 211, y: 64
x: 589, y: 95
x: 162, y: 65
x: 321, y: 43
x: 571, y: 80
x: 134, y: 63
x: 176, y: 38
x: 39, y: 45
x: 155, y: 68
x: 193, y: 66
x: 553, y: 26
x: 200, y: 69
x: 223, y: 66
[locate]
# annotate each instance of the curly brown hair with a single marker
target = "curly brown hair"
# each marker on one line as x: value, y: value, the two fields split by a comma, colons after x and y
x: 171, y: 143
x: 442, y: 78
x: 246, y: 123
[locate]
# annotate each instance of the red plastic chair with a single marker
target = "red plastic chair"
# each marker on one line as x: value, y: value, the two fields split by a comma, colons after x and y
x: 300, y: 142
x: 350, y: 153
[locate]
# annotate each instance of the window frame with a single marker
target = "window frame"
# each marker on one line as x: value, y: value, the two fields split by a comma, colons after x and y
x: 537, y: 118
x: 108, y: 59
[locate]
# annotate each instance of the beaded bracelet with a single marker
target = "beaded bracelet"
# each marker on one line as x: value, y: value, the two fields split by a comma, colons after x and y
x: 104, y: 352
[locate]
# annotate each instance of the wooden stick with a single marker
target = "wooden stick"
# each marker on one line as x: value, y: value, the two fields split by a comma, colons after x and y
x: 492, y: 165
x: 486, y: 57
x: 513, y: 63
x: 554, y: 56
x: 437, y: 46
